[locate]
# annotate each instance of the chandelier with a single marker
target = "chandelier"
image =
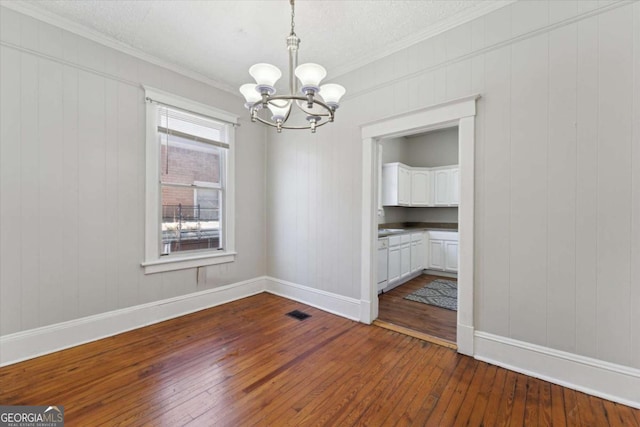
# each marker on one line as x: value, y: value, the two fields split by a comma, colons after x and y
x: 316, y: 103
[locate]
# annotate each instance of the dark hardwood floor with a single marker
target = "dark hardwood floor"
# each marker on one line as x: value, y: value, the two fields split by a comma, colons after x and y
x: 246, y: 363
x: 424, y: 318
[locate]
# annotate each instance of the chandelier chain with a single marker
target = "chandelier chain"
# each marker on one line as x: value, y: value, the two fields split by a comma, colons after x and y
x: 293, y: 14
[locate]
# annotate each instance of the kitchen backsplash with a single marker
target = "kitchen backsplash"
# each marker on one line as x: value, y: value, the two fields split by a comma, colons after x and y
x: 399, y: 214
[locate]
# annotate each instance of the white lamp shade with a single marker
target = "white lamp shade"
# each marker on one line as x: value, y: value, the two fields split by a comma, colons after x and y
x: 279, y: 110
x: 331, y: 93
x: 265, y: 74
x: 310, y: 75
x: 251, y: 95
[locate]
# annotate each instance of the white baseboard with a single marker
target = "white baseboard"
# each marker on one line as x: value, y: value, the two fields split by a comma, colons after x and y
x: 464, y: 339
x: 37, y: 342
x: 326, y: 301
x: 592, y: 376
x: 440, y: 273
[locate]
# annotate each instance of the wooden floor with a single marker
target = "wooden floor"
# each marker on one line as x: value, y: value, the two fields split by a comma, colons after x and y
x: 424, y: 318
x: 246, y: 363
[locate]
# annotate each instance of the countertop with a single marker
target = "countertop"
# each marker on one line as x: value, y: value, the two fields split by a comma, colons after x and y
x: 391, y: 229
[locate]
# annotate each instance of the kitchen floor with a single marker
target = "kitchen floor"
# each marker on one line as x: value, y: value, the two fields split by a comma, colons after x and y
x: 424, y: 318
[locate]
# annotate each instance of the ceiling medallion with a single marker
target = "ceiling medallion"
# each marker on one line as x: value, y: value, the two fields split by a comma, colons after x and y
x: 317, y: 103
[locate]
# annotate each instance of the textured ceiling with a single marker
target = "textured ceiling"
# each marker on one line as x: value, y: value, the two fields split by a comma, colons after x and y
x: 221, y: 39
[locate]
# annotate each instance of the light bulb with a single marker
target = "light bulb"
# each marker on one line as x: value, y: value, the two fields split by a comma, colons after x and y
x: 310, y: 76
x: 279, y: 110
x: 266, y: 76
x: 251, y: 95
x: 331, y: 93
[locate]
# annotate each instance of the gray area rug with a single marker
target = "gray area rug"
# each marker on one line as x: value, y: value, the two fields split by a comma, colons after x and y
x: 441, y: 293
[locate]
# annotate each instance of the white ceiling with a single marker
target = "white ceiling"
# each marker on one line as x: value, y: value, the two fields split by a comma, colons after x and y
x: 221, y: 39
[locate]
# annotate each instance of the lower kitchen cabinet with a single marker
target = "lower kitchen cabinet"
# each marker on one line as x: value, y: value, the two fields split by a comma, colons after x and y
x: 394, y: 265
x: 383, y: 259
x: 443, y: 251
x: 405, y: 258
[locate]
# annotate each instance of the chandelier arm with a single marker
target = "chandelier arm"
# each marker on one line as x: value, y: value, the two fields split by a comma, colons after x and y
x: 330, y: 111
x: 283, y: 126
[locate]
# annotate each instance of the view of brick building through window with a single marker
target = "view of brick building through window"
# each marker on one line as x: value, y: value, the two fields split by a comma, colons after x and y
x: 191, y: 192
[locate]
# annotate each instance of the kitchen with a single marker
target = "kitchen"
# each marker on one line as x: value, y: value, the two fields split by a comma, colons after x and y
x: 418, y: 234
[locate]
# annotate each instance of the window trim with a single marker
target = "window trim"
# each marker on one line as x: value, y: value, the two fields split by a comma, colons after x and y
x: 153, y: 261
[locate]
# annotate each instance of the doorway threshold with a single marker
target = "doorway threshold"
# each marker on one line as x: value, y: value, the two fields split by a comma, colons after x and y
x: 415, y: 334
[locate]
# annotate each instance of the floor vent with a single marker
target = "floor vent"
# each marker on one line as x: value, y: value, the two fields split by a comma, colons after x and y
x: 297, y: 314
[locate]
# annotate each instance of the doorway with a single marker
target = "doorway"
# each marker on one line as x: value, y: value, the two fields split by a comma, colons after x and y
x: 418, y: 295
x: 460, y: 113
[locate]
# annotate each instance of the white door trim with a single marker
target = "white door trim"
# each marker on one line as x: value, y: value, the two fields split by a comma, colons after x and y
x: 461, y: 113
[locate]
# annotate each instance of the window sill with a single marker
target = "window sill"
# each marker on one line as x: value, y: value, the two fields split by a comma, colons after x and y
x: 171, y: 264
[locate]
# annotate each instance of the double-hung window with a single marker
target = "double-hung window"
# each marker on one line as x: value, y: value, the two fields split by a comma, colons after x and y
x: 189, y: 185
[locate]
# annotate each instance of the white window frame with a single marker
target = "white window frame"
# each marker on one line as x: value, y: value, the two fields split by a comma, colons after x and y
x: 153, y: 261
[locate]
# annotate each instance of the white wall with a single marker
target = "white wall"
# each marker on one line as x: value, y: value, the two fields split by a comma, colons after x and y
x: 72, y: 179
x: 436, y: 148
x: 557, y: 171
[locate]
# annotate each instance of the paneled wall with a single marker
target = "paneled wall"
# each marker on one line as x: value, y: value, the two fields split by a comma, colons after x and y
x: 557, y: 181
x: 72, y: 163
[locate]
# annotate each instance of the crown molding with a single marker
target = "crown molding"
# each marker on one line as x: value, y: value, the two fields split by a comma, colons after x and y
x: 463, y: 17
x: 83, y: 31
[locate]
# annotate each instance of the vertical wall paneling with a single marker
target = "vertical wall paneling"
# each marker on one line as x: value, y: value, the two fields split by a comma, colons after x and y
x: 458, y: 79
x: 561, y: 187
x: 615, y: 78
x: 51, y: 213
x: 29, y: 190
x: 112, y: 207
x: 528, y: 15
x: 586, y: 251
x: 10, y: 191
x: 70, y: 199
x: 635, y: 197
x: 130, y: 211
x: 478, y: 86
x: 528, y: 237
x: 497, y: 192
x: 91, y: 193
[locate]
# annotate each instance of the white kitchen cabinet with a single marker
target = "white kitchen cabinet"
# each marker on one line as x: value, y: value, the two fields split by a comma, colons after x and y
x: 441, y: 187
x: 443, y: 251
x: 393, y: 271
x: 417, y: 252
x: 403, y: 185
x: 451, y: 256
x: 396, y: 185
x: 436, y: 255
x: 454, y: 186
x: 405, y: 256
x: 383, y: 260
x: 421, y: 187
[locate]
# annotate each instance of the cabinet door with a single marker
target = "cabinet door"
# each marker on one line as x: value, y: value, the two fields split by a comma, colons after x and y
x: 441, y: 187
x: 404, y: 186
x: 436, y: 255
x: 416, y: 256
x: 451, y: 256
x: 394, y: 265
x: 382, y: 264
x: 454, y: 187
x: 420, y: 188
x: 405, y: 260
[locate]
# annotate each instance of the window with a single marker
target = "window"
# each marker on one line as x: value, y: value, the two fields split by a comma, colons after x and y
x: 189, y: 186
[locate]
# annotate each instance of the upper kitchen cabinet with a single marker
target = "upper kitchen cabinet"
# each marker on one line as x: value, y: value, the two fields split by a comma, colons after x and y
x: 446, y: 186
x: 421, y: 193
x: 396, y: 184
x: 403, y: 185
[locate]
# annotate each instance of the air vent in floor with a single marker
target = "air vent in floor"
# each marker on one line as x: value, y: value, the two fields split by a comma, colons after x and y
x: 297, y: 314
